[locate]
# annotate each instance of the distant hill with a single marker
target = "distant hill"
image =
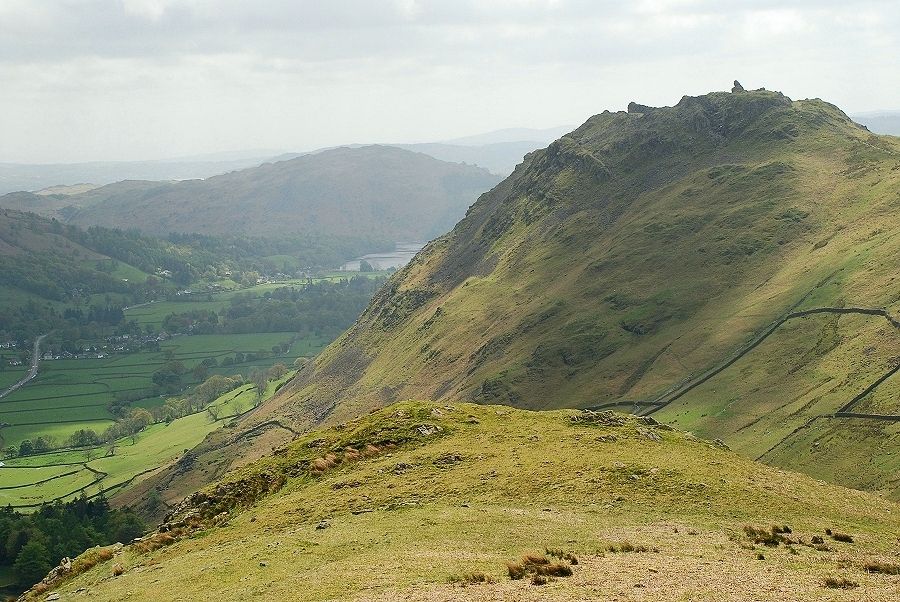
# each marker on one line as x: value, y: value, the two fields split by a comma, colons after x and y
x: 499, y: 158
x: 882, y: 122
x: 373, y: 192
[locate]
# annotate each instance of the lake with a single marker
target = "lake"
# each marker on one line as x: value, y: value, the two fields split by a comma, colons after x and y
x: 401, y: 255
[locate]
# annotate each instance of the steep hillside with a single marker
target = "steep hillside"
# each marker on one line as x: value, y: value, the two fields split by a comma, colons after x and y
x: 635, y: 254
x: 379, y: 193
x: 425, y: 501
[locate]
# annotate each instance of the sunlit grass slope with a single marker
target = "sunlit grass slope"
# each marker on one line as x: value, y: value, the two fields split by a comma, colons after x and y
x: 402, y: 503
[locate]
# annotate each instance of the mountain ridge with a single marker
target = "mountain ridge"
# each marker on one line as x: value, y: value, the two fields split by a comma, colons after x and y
x: 628, y: 256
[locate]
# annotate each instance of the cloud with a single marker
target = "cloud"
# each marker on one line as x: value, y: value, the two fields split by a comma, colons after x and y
x: 106, y: 79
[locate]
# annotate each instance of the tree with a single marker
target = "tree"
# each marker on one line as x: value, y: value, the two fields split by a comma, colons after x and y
x: 26, y: 448
x: 277, y: 371
x: 365, y: 266
x: 32, y: 563
x: 213, y: 412
x: 200, y: 372
x: 260, y: 380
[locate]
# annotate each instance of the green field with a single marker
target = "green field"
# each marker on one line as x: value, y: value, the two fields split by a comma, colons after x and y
x: 72, y: 394
x: 65, y: 474
x: 154, y: 313
x: 10, y: 374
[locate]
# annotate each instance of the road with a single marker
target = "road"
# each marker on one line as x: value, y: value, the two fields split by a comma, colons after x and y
x: 32, y: 372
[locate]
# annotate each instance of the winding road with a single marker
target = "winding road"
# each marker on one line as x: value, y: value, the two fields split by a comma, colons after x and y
x: 32, y: 372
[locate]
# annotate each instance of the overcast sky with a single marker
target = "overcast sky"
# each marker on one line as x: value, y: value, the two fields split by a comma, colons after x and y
x: 135, y: 79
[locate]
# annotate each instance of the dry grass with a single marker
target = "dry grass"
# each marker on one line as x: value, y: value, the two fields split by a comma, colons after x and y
x: 153, y: 542
x: 839, y: 583
x: 540, y: 567
x: 844, y: 537
x: 879, y: 566
x: 472, y: 578
x: 626, y: 547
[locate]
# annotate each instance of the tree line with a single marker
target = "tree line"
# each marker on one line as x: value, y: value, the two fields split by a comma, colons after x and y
x: 34, y: 543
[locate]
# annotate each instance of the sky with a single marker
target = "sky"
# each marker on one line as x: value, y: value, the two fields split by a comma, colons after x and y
x: 86, y: 80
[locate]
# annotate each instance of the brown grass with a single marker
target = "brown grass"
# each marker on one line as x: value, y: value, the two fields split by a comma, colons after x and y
x: 323, y: 463
x: 153, y: 542
x: 540, y: 567
x: 626, y: 547
x: 562, y: 555
x: 554, y: 569
x: 516, y: 570
x: 885, y: 568
x: 118, y: 569
x: 839, y: 583
x: 472, y: 578
x: 844, y: 537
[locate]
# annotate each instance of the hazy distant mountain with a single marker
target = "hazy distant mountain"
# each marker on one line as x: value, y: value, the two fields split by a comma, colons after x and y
x: 499, y: 158
x: 375, y: 192
x: 16, y: 176
x: 498, y: 152
x: 880, y: 122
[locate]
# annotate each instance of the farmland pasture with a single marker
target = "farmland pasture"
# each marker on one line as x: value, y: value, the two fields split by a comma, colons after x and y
x: 66, y: 473
x: 10, y: 375
x: 154, y: 313
x: 70, y: 394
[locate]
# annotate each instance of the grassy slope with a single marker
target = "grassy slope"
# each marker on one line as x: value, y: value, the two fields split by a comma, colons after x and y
x: 451, y: 489
x: 633, y: 253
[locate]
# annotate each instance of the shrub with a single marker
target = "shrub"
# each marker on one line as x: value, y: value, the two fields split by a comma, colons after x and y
x: 118, y: 569
x: 840, y: 583
x: 844, y: 537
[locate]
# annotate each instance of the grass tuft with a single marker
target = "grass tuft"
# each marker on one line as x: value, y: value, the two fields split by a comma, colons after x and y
x: 475, y: 578
x: 844, y: 537
x: 839, y: 583
x: 885, y: 568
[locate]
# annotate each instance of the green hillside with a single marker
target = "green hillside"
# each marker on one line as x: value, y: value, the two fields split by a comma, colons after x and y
x: 378, y: 194
x: 426, y: 501
x: 637, y: 253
